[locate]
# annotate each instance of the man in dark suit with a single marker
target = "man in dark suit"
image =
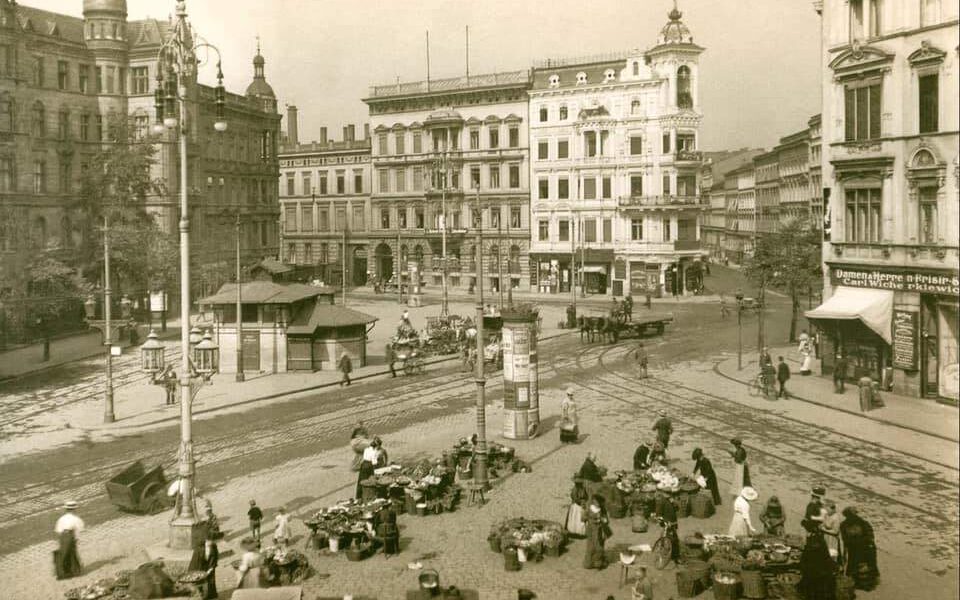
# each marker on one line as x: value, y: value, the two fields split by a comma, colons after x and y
x: 783, y: 374
x: 839, y: 373
x: 205, y: 558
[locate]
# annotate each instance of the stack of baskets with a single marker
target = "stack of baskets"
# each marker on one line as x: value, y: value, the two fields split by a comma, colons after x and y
x: 754, y: 585
x: 726, y: 586
x: 701, y: 505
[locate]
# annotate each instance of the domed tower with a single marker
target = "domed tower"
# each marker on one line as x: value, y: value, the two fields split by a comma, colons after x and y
x: 676, y: 59
x: 105, y: 35
x: 259, y: 88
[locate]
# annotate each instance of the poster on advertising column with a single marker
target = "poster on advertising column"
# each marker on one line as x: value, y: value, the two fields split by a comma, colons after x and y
x: 506, y: 344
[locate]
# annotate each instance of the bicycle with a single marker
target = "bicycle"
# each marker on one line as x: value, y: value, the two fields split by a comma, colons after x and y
x: 663, y: 548
x: 762, y: 384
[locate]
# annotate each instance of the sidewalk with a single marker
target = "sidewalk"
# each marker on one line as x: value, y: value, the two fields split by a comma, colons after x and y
x: 920, y: 415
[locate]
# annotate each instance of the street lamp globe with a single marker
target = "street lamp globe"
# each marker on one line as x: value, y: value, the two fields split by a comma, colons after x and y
x: 207, y: 356
x: 151, y: 354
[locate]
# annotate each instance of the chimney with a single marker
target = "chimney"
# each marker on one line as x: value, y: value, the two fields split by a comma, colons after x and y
x: 366, y: 131
x: 346, y: 133
x: 323, y: 136
x: 292, y: 133
x: 353, y: 132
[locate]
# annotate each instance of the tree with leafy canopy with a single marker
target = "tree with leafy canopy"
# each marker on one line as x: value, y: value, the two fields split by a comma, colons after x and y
x: 789, y: 260
x: 114, y: 191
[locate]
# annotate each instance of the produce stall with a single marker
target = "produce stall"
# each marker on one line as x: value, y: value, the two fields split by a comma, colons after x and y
x: 446, y: 335
x: 757, y: 567
x: 633, y: 493
x: 526, y: 540
x: 348, y: 525
x: 500, y: 458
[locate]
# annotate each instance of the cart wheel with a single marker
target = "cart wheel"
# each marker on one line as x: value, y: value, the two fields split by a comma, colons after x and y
x: 156, y: 505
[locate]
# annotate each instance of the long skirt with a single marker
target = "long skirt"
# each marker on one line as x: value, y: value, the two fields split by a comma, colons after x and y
x: 366, y: 472
x: 741, y: 478
x: 594, y: 557
x: 806, y: 367
x: 574, y: 521
x: 738, y: 526
x: 66, y: 558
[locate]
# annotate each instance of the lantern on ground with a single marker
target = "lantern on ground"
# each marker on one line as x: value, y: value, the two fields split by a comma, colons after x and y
x: 206, y: 356
x: 151, y: 354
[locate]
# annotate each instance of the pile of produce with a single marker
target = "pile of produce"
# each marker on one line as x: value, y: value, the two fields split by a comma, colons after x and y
x: 535, y: 537
x: 286, y: 565
x: 345, y: 517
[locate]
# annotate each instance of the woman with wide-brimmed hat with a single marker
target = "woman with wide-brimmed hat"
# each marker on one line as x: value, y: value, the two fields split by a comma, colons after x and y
x: 740, y: 525
x: 741, y: 470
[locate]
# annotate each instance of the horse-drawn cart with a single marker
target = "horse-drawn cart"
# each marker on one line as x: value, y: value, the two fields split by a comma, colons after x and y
x: 409, y: 355
x: 607, y: 328
x: 138, y: 489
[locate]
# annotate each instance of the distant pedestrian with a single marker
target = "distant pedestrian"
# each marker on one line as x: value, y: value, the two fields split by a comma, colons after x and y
x: 664, y: 428
x: 818, y: 577
x: 641, y: 457
x: 205, y: 558
x: 628, y: 307
x: 765, y: 358
x: 66, y: 557
x: 346, y: 367
x: 814, y: 510
x: 647, y: 300
x: 704, y: 468
x: 391, y: 357
x: 806, y: 354
x: 281, y: 535
x: 255, y: 515
x: 830, y: 526
x: 169, y: 379
x: 839, y: 373
x: 642, y: 360
x: 569, y: 421
x: 741, y: 470
x: 724, y: 309
x: 860, y: 549
x: 783, y: 374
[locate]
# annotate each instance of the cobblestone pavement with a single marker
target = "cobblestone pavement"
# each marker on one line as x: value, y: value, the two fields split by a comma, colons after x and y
x: 910, y: 498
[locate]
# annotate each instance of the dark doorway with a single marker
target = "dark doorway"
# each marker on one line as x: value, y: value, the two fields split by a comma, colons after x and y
x: 251, y: 351
x: 384, y: 258
x: 360, y: 266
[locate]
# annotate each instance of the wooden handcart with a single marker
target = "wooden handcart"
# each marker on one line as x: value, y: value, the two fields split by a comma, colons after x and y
x: 140, y: 490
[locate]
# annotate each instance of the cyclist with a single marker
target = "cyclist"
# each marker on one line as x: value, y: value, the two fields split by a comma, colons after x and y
x: 668, y: 520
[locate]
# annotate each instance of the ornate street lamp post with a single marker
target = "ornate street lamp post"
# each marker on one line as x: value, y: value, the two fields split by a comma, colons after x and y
x: 177, y: 63
x: 440, y: 178
x: 739, y: 297
x: 480, y: 475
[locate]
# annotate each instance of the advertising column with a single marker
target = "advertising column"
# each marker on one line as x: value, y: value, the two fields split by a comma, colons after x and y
x: 413, y: 298
x: 521, y: 393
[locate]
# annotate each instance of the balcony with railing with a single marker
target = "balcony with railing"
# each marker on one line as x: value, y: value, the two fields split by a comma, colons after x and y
x: 653, y: 202
x: 688, y: 156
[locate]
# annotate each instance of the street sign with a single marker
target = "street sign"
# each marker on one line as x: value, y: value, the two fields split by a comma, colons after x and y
x: 116, y: 351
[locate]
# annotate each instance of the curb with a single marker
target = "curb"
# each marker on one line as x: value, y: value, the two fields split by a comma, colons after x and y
x: 716, y: 369
x: 116, y: 427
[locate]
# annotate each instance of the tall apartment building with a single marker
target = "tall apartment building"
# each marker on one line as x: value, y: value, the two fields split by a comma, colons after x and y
x: 815, y: 142
x: 614, y: 170
x: 767, y: 193
x: 325, y: 205
x: 793, y: 176
x: 713, y: 187
x: 63, y: 77
x: 439, y: 148
x: 891, y: 167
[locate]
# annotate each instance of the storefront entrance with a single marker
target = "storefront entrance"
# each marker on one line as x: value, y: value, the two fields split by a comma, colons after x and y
x: 384, y: 258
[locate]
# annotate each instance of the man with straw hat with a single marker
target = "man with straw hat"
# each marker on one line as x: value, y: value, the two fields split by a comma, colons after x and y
x: 66, y: 558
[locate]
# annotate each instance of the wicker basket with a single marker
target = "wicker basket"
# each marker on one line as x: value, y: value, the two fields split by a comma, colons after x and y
x: 754, y: 586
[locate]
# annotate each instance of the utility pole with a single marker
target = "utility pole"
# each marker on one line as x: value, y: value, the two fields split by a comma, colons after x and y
x: 108, y: 414
x: 240, y: 375
x: 480, y: 465
x: 573, y: 262
x: 343, y: 271
x: 442, y: 180
x: 583, y: 287
x: 739, y: 297
x: 399, y: 279
x: 499, y: 265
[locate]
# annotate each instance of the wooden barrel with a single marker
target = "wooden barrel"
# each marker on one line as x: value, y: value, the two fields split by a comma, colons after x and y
x: 369, y: 490
x: 726, y: 590
x: 701, y: 569
x: 701, y: 505
x: 754, y: 586
x: 688, y: 584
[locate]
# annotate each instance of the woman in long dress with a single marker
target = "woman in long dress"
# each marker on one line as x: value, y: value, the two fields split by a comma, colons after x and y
x: 578, y: 502
x: 860, y: 549
x: 703, y: 467
x: 281, y: 534
x: 249, y: 573
x: 740, y: 525
x: 569, y: 421
x: 817, y: 569
x: 830, y: 525
x: 597, y: 531
x: 741, y: 470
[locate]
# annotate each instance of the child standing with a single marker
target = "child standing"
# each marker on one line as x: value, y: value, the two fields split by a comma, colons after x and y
x: 256, y: 516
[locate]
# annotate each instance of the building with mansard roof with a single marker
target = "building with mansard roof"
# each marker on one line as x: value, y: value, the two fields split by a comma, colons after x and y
x: 61, y: 79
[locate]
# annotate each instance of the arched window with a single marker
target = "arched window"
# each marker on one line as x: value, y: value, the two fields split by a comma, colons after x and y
x: 6, y: 112
x: 39, y: 120
x: 684, y: 98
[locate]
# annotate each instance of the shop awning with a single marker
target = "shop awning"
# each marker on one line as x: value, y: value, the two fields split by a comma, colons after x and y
x: 594, y: 269
x: 872, y: 307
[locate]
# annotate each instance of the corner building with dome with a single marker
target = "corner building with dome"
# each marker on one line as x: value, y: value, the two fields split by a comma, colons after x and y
x: 62, y: 77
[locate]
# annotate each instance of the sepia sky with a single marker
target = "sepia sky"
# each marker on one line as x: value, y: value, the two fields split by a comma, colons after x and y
x: 759, y: 77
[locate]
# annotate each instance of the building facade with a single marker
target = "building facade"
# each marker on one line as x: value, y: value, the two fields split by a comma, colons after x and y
x: 891, y: 167
x: 614, y: 171
x: 325, y: 191
x: 793, y: 177
x: 63, y: 79
x: 451, y: 154
x: 714, y: 187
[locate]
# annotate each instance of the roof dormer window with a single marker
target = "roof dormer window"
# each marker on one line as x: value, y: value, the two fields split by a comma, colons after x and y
x: 554, y: 80
x: 581, y: 78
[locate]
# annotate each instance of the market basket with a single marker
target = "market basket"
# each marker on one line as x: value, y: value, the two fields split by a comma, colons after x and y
x: 726, y: 586
x: 788, y: 585
x: 701, y: 505
x: 701, y: 570
x: 688, y: 584
x: 511, y: 562
x: 429, y: 580
x: 683, y: 505
x: 754, y: 585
